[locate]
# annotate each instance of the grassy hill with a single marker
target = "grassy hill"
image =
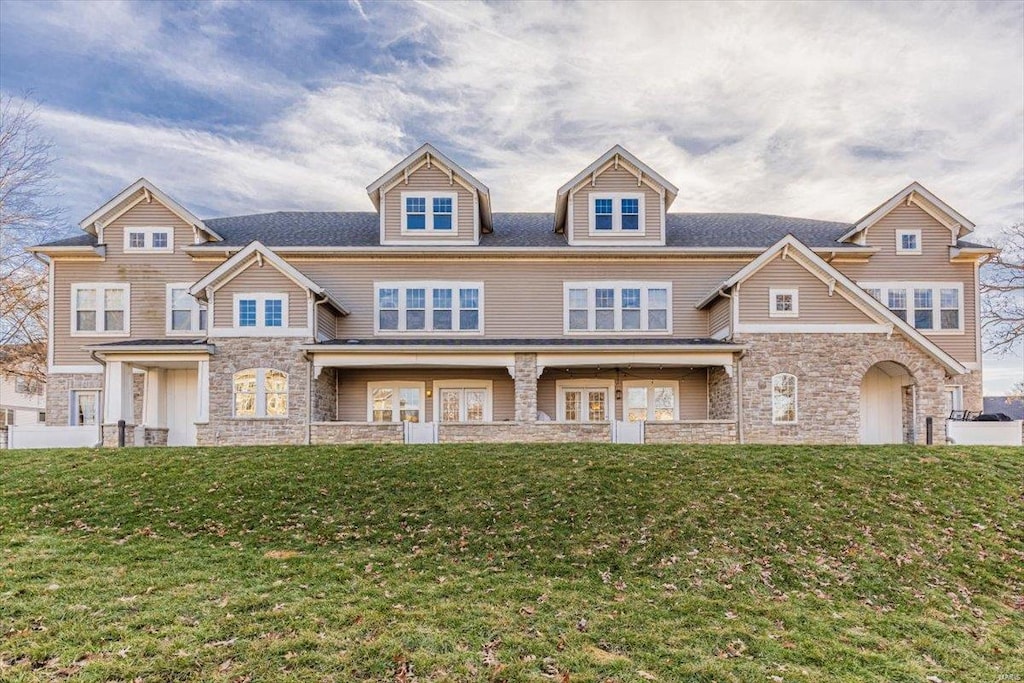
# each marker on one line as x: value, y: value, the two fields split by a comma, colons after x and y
x: 513, y: 563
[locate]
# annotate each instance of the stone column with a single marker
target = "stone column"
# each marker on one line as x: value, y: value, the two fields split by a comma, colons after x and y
x: 525, y: 375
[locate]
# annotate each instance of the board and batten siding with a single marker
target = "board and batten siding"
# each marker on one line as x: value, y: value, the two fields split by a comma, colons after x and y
x: 353, y: 392
x: 814, y: 304
x: 931, y: 265
x: 520, y: 298
x: 616, y: 180
x: 430, y: 179
x: 147, y: 273
x: 257, y: 280
x: 693, y: 387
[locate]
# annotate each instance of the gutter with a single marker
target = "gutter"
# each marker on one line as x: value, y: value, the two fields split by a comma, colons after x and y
x: 421, y: 348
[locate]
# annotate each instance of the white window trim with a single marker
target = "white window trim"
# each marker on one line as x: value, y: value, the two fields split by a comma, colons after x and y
x: 618, y: 286
x: 428, y: 323
x: 617, y: 198
x: 486, y: 384
x: 195, y: 308
x: 773, y: 312
x: 395, y: 407
x: 429, y: 220
x: 958, y: 396
x: 899, y: 242
x: 563, y: 384
x: 261, y: 299
x: 149, y: 248
x: 261, y: 395
x: 796, y: 399
x: 650, y: 385
x: 101, y: 288
x: 936, y: 287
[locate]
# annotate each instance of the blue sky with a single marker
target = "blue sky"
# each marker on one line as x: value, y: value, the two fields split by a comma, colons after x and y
x: 820, y: 109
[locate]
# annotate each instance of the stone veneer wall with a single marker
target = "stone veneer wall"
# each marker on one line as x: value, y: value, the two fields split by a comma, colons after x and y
x: 524, y: 432
x: 59, y: 387
x: 234, y: 354
x: 829, y: 369
x: 973, y: 390
x: 526, y: 387
x: 700, y: 431
x: 325, y: 396
x: 356, y: 432
x: 155, y: 436
x: 721, y: 394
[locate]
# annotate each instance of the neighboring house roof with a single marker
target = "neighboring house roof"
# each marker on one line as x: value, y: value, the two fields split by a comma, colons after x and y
x: 915, y: 192
x: 1010, y: 405
x: 257, y: 251
x: 791, y: 245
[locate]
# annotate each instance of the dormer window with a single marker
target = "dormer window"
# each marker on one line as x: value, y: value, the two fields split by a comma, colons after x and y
x: 148, y: 240
x: 429, y: 212
x: 616, y: 213
x: 908, y: 241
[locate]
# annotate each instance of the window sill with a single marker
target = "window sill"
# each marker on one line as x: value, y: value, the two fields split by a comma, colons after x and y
x: 258, y: 419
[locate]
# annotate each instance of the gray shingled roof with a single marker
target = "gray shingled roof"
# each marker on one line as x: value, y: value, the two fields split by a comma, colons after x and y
x: 361, y: 229
x: 153, y: 342
x: 521, y: 342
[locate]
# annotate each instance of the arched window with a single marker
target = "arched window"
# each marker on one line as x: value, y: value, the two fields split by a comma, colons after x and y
x: 261, y: 392
x: 784, y: 399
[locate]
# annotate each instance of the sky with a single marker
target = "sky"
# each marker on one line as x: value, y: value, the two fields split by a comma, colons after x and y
x: 820, y: 110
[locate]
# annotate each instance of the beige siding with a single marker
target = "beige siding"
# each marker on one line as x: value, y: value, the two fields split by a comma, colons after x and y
x: 693, y: 387
x: 426, y: 180
x: 815, y: 305
x: 520, y: 299
x: 254, y: 280
x: 720, y: 316
x: 616, y: 180
x: 353, y: 396
x: 148, y: 275
x: 326, y: 323
x: 932, y: 265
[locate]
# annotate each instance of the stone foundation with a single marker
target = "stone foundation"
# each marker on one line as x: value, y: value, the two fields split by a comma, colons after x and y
x: 356, y: 432
x: 829, y: 369
x: 700, y: 431
x: 109, y: 435
x: 524, y: 432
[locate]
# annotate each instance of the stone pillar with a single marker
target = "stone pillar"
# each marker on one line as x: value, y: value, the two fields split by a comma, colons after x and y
x: 723, y: 393
x: 525, y: 375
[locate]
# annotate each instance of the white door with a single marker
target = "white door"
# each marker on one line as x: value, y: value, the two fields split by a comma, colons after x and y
x: 182, y: 399
x: 881, y: 408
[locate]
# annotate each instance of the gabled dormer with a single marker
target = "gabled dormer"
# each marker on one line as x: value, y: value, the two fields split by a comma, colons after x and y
x: 617, y: 200
x: 428, y: 199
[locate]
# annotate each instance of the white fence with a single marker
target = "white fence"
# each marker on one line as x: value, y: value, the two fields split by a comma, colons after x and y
x: 984, y: 433
x: 42, y: 436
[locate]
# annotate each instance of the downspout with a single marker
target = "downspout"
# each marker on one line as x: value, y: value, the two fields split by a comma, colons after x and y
x: 309, y: 369
x: 99, y: 422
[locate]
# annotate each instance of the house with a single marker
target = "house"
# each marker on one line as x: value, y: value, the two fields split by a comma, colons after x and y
x: 22, y: 394
x: 434, y: 318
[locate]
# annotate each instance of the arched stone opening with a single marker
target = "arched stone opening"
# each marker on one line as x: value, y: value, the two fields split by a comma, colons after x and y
x: 888, y: 404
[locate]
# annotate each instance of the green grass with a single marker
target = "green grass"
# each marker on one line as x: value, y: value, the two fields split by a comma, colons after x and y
x: 513, y: 563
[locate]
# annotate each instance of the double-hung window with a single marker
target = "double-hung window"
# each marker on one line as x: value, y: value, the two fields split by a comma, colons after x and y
x: 619, y: 213
x: 429, y: 212
x: 592, y: 307
x: 933, y: 307
x: 185, y: 315
x: 418, y: 307
x: 100, y: 309
x: 148, y: 240
x: 261, y: 312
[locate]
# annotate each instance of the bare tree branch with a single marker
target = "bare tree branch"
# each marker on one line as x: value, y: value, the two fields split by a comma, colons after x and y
x: 1002, y: 294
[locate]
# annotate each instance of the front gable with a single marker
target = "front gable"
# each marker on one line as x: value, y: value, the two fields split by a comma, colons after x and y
x: 914, y: 195
x: 143, y: 193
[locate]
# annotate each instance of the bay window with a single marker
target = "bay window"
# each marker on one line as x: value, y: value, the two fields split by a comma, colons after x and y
x: 428, y: 307
x: 617, y: 307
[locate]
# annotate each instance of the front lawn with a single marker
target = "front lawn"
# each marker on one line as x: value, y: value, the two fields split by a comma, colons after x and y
x: 513, y: 563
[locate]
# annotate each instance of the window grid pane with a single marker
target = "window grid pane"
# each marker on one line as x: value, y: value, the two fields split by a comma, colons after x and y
x: 630, y: 214
x: 159, y: 240
x: 442, y: 213
x: 415, y: 213
x: 603, y: 214
x: 247, y: 313
x: 273, y: 315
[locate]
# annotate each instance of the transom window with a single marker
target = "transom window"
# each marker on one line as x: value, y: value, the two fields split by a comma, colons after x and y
x: 617, y: 307
x: 616, y: 213
x: 652, y: 400
x: 908, y: 241
x: 395, y: 401
x: 783, y: 303
x: 184, y: 313
x: 99, y: 309
x: 429, y: 307
x: 936, y: 307
x: 784, y: 403
x: 149, y: 239
x: 429, y: 212
x: 260, y: 392
x: 261, y: 311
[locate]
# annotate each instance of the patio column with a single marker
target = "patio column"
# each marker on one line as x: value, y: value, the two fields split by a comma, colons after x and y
x: 203, y: 398
x: 154, y: 410
x: 524, y: 372
x: 118, y: 393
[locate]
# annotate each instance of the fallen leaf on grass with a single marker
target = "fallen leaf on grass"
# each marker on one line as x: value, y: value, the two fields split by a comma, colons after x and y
x: 603, y: 656
x: 646, y: 676
x: 280, y: 554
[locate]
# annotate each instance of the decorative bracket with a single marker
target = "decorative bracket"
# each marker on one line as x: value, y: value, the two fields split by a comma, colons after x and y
x: 728, y: 370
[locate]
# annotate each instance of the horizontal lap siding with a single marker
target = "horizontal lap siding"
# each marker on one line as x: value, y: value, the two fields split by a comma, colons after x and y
x: 815, y: 305
x: 353, y: 396
x: 521, y: 299
x: 616, y: 180
x: 326, y: 323
x: 932, y: 265
x: 720, y: 316
x: 148, y: 275
x: 255, y: 280
x: 428, y: 180
x: 693, y: 387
